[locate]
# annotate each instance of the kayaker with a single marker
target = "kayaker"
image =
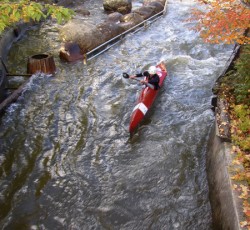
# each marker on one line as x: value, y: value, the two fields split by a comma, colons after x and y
x: 151, y: 77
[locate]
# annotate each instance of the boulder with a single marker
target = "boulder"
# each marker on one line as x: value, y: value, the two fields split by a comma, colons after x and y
x: 158, y: 6
x: 146, y: 2
x: 132, y: 17
x: 121, y: 6
x: 130, y: 20
x: 115, y: 17
x: 145, y: 12
x: 82, y: 11
x: 109, y: 30
x: 126, y: 25
x: 65, y: 3
x: 86, y: 35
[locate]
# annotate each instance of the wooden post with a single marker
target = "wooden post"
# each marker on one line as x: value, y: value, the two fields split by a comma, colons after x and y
x: 41, y: 63
x: 85, y: 59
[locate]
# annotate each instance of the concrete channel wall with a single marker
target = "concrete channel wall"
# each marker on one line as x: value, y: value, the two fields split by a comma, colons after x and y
x: 226, y: 205
x: 6, y: 41
x: 2, y: 81
x: 224, y: 193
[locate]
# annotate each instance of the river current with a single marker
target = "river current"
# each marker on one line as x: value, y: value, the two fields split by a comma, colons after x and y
x: 67, y: 160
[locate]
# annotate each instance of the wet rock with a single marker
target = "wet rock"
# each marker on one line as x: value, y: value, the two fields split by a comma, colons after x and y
x: 86, y: 35
x: 158, y: 6
x: 110, y: 30
x: 126, y: 25
x: 133, y: 18
x: 145, y: 12
x: 83, y: 37
x: 80, y: 38
x: 65, y: 3
x: 147, y: 2
x: 130, y: 20
x: 82, y: 11
x: 121, y: 6
x: 115, y: 17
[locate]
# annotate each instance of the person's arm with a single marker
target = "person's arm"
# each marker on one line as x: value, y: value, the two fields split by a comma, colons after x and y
x: 137, y: 75
x: 144, y: 74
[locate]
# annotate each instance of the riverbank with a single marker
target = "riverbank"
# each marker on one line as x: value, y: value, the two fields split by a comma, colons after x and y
x: 227, y: 158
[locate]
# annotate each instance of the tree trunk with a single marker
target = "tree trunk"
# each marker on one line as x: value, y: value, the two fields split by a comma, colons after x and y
x: 41, y: 63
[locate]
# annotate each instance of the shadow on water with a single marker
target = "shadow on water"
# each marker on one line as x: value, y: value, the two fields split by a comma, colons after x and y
x: 67, y: 160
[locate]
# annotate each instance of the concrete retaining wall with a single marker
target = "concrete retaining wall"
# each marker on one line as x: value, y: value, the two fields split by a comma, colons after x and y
x: 6, y: 41
x: 226, y: 205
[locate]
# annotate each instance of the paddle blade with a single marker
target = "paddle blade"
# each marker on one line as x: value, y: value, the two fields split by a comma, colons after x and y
x: 125, y: 75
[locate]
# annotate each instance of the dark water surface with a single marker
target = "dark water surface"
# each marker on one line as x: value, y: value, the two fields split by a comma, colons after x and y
x: 66, y: 158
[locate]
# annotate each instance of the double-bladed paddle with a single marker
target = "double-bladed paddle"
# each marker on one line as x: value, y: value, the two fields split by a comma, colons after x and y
x: 125, y: 75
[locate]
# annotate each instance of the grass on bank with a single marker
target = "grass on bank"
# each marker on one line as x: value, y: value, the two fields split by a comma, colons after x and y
x: 236, y: 85
x: 235, y: 88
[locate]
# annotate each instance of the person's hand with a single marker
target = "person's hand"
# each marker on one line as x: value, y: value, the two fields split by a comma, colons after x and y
x: 132, y: 77
x: 143, y: 81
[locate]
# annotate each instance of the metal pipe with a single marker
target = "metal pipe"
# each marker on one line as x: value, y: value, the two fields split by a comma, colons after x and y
x: 102, y: 51
x: 17, y: 74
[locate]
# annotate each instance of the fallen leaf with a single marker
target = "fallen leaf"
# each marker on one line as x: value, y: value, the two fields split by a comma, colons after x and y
x: 243, y: 224
x: 235, y: 186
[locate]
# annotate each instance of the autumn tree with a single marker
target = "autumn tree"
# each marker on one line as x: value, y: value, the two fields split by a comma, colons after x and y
x: 225, y: 21
x: 13, y: 11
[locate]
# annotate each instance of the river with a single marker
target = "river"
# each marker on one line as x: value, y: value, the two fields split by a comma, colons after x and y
x: 67, y: 160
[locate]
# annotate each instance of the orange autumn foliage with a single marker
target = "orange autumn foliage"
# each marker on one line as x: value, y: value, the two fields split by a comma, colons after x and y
x: 223, y: 21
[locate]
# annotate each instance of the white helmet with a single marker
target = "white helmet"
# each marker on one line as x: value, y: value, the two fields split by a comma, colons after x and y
x: 152, y: 70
